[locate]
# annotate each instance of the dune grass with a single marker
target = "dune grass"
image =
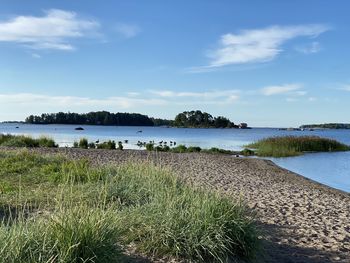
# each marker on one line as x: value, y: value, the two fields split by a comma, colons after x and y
x: 60, y: 210
x: 294, y: 145
x: 10, y: 140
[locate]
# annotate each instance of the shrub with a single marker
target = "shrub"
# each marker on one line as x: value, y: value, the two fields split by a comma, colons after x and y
x: 110, y: 145
x: 150, y: 146
x: 92, y: 145
x: 194, y: 149
x: 179, y: 149
x: 247, y: 152
x: 217, y: 150
x: 120, y: 146
x: 83, y: 143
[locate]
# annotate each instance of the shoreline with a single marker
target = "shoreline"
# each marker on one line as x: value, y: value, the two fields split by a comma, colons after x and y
x: 301, y: 220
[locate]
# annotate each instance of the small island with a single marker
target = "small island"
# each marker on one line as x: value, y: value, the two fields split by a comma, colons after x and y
x: 186, y: 119
x: 326, y: 126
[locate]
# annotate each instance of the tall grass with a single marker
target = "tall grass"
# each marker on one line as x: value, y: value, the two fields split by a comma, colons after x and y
x: 96, y: 208
x: 295, y: 145
x: 9, y: 140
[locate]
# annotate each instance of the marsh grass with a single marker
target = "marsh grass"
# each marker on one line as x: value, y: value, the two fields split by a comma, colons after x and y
x: 295, y: 145
x: 9, y: 140
x: 80, y: 213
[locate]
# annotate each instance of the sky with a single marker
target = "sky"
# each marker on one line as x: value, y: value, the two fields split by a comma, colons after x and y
x: 269, y: 63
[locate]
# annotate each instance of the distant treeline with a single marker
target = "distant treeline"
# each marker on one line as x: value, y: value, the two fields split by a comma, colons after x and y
x: 327, y: 126
x: 189, y: 119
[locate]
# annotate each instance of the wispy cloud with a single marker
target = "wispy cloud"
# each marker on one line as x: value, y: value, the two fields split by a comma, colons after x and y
x: 127, y: 30
x: 313, y: 47
x: 289, y: 89
x: 53, y: 30
x: 195, y: 98
x: 258, y: 45
x: 29, y: 99
x: 345, y: 88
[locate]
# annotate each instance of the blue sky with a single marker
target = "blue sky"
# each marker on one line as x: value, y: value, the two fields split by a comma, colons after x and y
x: 268, y: 63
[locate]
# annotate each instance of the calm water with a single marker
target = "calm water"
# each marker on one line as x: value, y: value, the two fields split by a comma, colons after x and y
x: 332, y: 169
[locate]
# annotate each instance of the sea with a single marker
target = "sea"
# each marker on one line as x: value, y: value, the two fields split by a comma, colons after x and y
x: 332, y: 169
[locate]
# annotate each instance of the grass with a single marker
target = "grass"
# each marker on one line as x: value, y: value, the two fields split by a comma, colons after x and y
x: 60, y: 210
x: 9, y: 140
x: 184, y: 149
x: 294, y: 145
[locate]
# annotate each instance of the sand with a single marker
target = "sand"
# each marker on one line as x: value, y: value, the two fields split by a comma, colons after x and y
x: 301, y: 220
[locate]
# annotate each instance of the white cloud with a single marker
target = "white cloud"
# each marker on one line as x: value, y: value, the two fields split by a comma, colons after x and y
x: 345, y: 88
x: 214, y: 97
x: 29, y: 99
x: 290, y: 89
x: 313, y: 47
x: 200, y: 95
x: 51, y: 31
x: 127, y: 30
x: 259, y: 45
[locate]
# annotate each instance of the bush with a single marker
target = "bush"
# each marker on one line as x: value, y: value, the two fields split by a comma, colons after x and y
x: 83, y: 143
x: 110, y: 145
x: 92, y: 145
x: 217, y: 150
x: 120, y: 146
x: 194, y: 149
x: 247, y: 152
x: 150, y: 146
x: 179, y: 149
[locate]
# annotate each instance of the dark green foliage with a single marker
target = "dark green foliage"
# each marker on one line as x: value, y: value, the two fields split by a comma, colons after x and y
x: 93, y: 118
x: 149, y: 146
x: 191, y: 119
x: 110, y: 145
x: 120, y: 146
x: 198, y: 119
x: 217, y: 150
x: 194, y: 149
x: 92, y: 145
x: 294, y: 145
x: 179, y: 149
x: 247, y: 152
x: 83, y: 143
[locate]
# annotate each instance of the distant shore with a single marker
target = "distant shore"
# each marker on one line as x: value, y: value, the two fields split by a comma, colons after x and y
x: 302, y: 220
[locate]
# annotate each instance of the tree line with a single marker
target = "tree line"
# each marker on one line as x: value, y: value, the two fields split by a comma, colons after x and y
x: 188, y: 119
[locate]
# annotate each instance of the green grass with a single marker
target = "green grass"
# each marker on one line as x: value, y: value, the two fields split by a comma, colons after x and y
x: 184, y: 149
x: 294, y: 145
x: 9, y: 140
x: 60, y: 210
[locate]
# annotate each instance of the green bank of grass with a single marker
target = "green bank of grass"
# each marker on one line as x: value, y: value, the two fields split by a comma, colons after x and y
x: 9, y: 140
x: 295, y: 145
x: 184, y: 149
x: 59, y: 210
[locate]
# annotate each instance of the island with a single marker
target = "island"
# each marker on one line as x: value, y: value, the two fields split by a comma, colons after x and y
x: 186, y: 119
x: 326, y: 126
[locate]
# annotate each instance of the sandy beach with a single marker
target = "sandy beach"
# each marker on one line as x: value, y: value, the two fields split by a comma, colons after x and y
x: 301, y: 220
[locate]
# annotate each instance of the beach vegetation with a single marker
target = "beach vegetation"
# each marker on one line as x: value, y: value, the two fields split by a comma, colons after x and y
x: 10, y: 140
x: 109, y: 145
x: 65, y: 210
x: 285, y: 146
